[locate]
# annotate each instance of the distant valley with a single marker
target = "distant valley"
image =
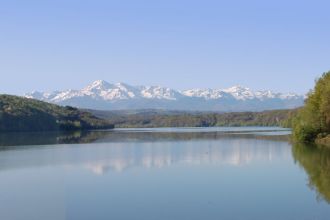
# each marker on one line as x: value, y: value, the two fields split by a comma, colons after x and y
x: 102, y: 95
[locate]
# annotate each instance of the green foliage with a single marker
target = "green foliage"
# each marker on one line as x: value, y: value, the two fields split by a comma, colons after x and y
x: 195, y: 119
x: 314, y: 117
x: 22, y: 114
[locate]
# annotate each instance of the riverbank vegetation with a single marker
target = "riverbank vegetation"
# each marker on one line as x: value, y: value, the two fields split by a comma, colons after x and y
x: 312, y: 122
x: 161, y: 118
x: 22, y: 114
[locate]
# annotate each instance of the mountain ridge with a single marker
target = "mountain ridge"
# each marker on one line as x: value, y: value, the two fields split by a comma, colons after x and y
x: 106, y: 96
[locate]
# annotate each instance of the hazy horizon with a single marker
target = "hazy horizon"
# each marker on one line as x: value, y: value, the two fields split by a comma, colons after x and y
x: 280, y: 46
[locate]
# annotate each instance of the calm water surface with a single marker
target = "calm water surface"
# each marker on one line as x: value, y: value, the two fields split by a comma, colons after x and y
x: 205, y: 173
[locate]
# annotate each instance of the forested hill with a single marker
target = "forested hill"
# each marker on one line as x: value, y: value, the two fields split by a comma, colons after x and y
x: 22, y: 114
x: 161, y: 118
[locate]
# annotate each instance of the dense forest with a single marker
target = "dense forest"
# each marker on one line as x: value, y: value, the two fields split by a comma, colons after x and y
x: 22, y: 114
x: 159, y: 118
x: 312, y: 122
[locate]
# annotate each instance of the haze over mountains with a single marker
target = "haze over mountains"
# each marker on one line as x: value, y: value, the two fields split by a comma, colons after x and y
x: 105, y: 96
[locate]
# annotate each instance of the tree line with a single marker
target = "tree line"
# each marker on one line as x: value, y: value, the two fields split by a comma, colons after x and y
x: 154, y: 118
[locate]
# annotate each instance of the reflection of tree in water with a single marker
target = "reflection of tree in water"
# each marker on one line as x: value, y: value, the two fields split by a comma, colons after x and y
x: 48, y: 138
x: 120, y: 151
x: 316, y: 163
x: 43, y: 138
x: 128, y: 136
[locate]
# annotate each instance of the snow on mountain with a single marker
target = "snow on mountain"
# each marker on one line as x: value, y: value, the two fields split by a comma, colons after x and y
x: 241, y: 93
x: 124, y: 96
x: 204, y: 93
x: 104, y: 90
x: 36, y: 95
x: 238, y: 93
x: 157, y: 92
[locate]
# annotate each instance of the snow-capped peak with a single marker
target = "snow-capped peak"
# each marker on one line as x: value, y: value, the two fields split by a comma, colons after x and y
x: 236, y: 88
x: 158, y: 92
x: 205, y: 93
x: 240, y: 92
x: 98, y: 85
x: 101, y: 91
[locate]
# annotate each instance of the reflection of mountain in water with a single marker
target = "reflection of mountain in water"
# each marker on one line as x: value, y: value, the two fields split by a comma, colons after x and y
x: 316, y: 162
x: 149, y: 150
x: 227, y: 152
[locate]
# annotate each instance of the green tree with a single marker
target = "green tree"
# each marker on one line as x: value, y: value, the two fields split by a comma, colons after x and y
x: 313, y: 120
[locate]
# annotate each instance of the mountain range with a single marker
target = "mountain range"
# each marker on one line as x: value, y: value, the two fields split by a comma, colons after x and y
x: 102, y: 95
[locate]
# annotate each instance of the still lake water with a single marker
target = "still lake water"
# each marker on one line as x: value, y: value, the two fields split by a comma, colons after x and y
x: 195, y: 173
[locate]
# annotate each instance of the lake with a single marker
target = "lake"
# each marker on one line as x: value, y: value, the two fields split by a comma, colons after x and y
x: 166, y: 173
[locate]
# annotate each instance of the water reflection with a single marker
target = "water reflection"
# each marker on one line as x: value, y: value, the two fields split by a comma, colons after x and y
x: 235, y: 153
x: 51, y: 138
x: 119, y: 151
x: 160, y: 175
x: 316, y: 162
x: 45, y: 138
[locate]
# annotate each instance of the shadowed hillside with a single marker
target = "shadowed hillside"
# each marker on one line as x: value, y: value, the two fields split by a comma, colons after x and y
x: 22, y: 114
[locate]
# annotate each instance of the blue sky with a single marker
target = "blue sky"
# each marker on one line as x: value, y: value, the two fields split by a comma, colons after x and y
x: 53, y: 45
